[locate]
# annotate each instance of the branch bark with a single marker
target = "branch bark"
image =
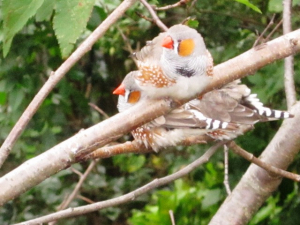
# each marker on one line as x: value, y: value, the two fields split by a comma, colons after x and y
x: 56, y: 76
x: 35, y: 170
x: 271, y: 169
x: 156, y: 19
x: 289, y: 83
x: 134, y: 147
x: 71, y: 212
x: 257, y: 184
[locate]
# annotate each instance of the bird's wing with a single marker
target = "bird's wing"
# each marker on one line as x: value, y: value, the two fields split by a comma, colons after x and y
x: 152, y: 52
x: 225, y: 104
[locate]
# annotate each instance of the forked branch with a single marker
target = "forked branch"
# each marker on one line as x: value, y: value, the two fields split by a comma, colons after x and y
x: 71, y: 212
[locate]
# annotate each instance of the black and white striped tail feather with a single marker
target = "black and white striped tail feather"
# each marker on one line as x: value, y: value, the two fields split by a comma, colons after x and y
x: 271, y: 114
x: 213, y: 124
x: 275, y: 114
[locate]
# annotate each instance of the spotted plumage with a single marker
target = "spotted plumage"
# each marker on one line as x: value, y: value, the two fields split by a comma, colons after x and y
x: 210, y: 65
x: 153, y: 75
x: 221, y: 114
x: 174, y: 60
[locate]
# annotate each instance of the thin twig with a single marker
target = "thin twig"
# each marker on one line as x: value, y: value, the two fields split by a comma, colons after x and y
x: 98, y: 110
x: 85, y: 199
x: 272, y: 169
x: 172, y: 217
x: 78, y: 185
x: 71, y: 212
x: 158, y: 22
x: 264, y: 31
x: 273, y: 31
x: 289, y: 61
x: 74, y: 193
x: 226, y: 179
x: 145, y: 17
x: 88, y: 88
x: 177, y: 4
x: 126, y: 41
x: 76, y: 171
x: 187, y: 19
x: 56, y: 76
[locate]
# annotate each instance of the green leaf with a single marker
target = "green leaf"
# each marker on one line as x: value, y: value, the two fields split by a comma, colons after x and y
x: 45, y: 11
x: 15, y: 15
x: 3, y: 97
x: 193, y: 23
x: 250, y: 5
x: 70, y: 20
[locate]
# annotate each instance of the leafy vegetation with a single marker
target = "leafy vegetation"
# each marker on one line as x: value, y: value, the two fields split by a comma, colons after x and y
x: 37, y: 35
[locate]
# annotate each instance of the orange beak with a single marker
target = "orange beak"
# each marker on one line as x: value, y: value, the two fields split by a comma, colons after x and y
x: 168, y: 42
x: 119, y: 90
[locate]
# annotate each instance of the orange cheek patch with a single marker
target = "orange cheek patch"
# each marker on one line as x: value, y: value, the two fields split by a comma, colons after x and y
x: 134, y: 97
x: 186, y: 47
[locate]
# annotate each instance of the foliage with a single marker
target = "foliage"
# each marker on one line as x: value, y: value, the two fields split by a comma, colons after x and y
x: 191, y: 202
x: 250, y: 5
x: 36, y: 35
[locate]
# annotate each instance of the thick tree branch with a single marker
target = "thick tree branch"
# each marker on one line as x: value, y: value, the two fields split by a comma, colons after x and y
x: 254, y: 59
x: 134, y: 147
x: 56, y: 76
x: 35, y: 170
x: 288, y: 61
x: 257, y: 184
x: 71, y: 212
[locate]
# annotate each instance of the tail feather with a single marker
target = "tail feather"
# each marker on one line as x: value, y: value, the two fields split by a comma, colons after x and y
x: 270, y: 114
x: 213, y: 124
x: 274, y: 114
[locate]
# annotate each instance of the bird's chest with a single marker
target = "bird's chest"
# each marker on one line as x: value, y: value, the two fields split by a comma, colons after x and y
x: 154, y: 76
